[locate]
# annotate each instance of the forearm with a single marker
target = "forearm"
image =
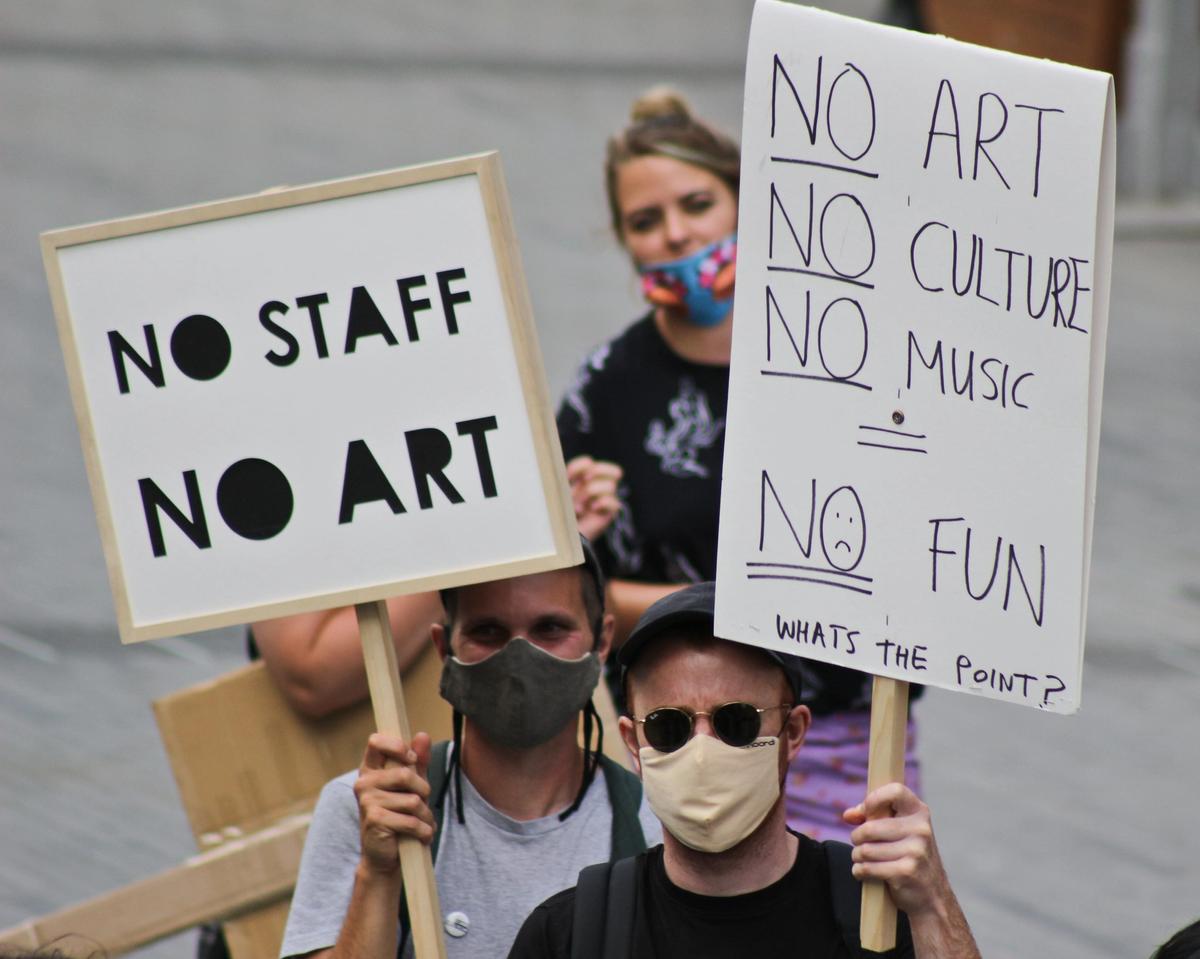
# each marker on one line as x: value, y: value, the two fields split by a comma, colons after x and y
x: 316, y: 659
x: 942, y: 932
x: 317, y: 664
x: 628, y: 599
x: 369, y: 929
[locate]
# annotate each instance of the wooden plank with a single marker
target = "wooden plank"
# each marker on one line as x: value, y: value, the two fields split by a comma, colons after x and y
x: 387, y: 699
x: 274, y: 198
x: 242, y: 758
x: 528, y: 355
x: 240, y: 875
x: 258, y: 933
x: 889, y: 727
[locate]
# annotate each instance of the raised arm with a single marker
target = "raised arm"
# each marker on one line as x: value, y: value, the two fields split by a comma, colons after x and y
x: 628, y: 599
x: 316, y: 658
x: 899, y: 848
x: 392, y: 794
x: 594, y: 493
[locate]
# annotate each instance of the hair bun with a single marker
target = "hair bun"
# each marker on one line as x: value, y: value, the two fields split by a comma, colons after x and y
x: 660, y: 103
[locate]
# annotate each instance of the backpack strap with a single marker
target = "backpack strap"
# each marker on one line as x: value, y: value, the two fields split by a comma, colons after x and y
x: 622, y: 904
x: 846, y: 893
x: 437, y: 776
x: 591, y: 907
x: 605, y: 903
x: 625, y: 797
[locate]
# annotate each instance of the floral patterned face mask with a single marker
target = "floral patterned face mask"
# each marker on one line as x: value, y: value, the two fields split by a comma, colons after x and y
x: 701, y: 284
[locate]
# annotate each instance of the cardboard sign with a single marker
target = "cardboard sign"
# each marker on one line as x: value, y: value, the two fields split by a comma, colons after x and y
x: 310, y: 398
x: 925, y: 239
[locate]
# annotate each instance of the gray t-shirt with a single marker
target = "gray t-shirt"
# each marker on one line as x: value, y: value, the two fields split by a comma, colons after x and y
x: 491, y: 871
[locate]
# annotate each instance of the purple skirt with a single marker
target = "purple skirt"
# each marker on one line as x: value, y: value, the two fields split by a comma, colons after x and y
x: 829, y: 774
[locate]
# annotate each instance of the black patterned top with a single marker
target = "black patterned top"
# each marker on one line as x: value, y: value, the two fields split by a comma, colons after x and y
x: 637, y: 403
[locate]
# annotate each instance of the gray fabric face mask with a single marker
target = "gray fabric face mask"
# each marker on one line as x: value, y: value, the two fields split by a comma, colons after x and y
x: 521, y: 696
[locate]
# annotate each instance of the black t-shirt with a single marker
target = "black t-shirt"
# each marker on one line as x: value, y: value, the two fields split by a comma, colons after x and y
x: 789, y: 919
x: 637, y: 403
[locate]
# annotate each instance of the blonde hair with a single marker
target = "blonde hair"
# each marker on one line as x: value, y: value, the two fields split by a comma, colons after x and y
x: 661, y: 123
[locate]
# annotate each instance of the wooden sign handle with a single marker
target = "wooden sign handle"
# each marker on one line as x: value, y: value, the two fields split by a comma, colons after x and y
x: 889, y: 730
x: 387, y: 699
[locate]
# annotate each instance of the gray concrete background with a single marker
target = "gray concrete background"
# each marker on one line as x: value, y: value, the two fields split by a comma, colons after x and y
x: 1066, y: 837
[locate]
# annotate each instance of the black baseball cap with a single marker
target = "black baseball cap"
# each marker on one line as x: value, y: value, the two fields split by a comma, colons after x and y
x: 691, y: 606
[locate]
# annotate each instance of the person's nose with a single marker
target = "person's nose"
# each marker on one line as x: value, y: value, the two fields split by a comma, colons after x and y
x: 676, y: 233
x: 702, y: 726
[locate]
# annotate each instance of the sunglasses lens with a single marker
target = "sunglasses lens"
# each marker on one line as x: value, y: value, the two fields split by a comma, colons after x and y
x: 667, y: 729
x: 737, y: 723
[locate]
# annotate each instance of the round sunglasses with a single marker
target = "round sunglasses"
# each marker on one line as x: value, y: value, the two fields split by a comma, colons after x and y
x: 737, y: 724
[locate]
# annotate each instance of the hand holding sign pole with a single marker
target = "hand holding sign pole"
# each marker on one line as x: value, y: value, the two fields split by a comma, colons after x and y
x: 287, y: 404
x: 924, y: 250
x: 889, y: 728
x: 387, y: 700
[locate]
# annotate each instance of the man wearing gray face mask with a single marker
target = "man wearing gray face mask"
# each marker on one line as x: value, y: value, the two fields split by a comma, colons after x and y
x: 713, y: 726
x: 519, y: 806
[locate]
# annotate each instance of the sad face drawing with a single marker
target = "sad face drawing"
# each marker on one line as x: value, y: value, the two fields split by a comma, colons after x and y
x: 843, y: 529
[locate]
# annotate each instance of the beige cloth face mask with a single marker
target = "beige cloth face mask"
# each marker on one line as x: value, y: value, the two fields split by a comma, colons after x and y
x: 710, y: 795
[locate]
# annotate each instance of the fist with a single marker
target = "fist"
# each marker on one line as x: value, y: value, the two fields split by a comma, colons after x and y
x: 593, y: 486
x: 893, y: 842
x: 393, y: 797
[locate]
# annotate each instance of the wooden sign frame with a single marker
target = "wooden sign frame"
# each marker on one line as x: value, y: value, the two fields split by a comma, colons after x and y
x: 486, y: 169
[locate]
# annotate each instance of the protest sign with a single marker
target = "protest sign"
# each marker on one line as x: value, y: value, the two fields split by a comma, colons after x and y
x: 922, y: 292
x: 310, y: 398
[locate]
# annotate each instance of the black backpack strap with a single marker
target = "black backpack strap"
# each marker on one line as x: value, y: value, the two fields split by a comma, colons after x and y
x: 438, y: 778
x: 846, y: 893
x: 591, y: 907
x: 437, y: 775
x: 622, y: 905
x: 625, y: 797
x: 605, y: 903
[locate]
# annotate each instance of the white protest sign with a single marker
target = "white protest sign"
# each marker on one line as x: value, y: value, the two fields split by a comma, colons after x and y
x: 924, y: 247
x: 314, y: 397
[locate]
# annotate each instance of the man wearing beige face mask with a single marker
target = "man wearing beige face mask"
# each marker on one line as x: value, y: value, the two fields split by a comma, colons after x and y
x: 713, y: 726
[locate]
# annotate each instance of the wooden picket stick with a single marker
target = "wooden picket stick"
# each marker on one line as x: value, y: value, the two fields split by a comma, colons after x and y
x: 387, y: 699
x: 233, y: 879
x: 889, y: 730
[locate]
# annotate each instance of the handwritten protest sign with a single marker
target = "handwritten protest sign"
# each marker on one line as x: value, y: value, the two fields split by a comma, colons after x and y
x: 309, y: 398
x: 922, y: 294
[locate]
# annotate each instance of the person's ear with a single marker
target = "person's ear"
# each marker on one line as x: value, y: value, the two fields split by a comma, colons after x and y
x: 441, y: 640
x: 608, y: 628
x: 795, y: 728
x: 628, y: 730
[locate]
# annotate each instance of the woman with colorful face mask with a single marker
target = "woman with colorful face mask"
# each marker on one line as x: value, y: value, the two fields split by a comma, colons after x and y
x: 649, y: 406
x: 653, y: 399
